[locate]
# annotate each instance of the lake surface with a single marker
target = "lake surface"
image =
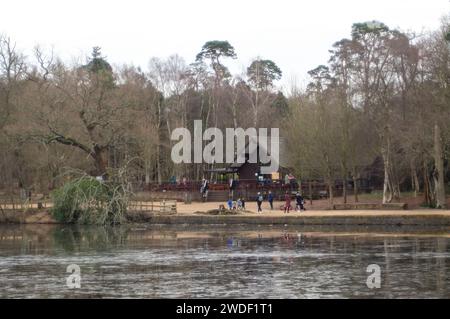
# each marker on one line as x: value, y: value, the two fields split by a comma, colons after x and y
x: 221, y: 262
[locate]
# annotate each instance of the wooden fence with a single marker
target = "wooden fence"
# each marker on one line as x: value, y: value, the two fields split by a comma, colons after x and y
x: 24, y: 205
x: 162, y: 206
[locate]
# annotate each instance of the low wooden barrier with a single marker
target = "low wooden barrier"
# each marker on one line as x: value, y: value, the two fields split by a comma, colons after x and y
x: 163, y: 206
x: 25, y: 205
x: 366, y: 206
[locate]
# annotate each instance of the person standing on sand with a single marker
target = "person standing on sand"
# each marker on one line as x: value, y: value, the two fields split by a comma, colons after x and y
x: 204, y: 189
x: 270, y: 199
x: 259, y: 200
x: 239, y: 204
x: 299, y: 202
x: 287, y: 203
x: 230, y: 203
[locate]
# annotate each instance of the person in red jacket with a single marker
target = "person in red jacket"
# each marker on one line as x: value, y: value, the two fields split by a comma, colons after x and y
x: 287, y: 202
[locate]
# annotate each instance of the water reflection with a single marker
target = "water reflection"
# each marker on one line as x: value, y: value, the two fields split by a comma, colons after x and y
x: 152, y: 262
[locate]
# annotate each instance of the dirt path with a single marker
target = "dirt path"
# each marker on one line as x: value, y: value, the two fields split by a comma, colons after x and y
x: 189, y: 209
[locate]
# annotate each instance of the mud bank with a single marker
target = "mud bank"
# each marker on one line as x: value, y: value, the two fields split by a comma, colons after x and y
x: 343, y: 218
x: 32, y: 216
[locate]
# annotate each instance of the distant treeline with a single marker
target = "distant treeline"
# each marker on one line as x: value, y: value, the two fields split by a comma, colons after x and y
x: 383, y: 97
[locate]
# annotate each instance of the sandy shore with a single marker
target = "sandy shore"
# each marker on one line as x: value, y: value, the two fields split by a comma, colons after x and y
x: 189, y: 209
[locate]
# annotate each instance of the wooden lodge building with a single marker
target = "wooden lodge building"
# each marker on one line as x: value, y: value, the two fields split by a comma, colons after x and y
x: 244, y: 180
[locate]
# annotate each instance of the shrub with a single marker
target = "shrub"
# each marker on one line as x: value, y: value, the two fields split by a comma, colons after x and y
x: 87, y: 200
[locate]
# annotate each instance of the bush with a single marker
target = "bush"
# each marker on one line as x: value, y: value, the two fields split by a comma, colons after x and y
x: 87, y: 200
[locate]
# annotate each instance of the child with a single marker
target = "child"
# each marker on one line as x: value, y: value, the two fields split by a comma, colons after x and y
x: 239, y: 204
x: 230, y: 204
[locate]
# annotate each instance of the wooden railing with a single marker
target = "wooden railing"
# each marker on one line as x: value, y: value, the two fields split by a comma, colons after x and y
x: 164, y: 206
x: 15, y: 204
x: 252, y: 185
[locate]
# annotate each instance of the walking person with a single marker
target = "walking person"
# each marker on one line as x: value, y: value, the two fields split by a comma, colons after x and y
x: 231, y: 186
x: 259, y: 200
x: 270, y: 199
x: 287, y: 203
x: 204, y: 189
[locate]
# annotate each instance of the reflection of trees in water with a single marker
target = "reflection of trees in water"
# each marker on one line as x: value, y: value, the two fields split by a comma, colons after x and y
x: 80, y: 238
x: 441, y: 276
x: 26, y: 239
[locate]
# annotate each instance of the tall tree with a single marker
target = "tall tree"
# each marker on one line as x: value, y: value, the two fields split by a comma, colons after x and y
x: 214, y: 51
x: 261, y: 74
x: 93, y: 118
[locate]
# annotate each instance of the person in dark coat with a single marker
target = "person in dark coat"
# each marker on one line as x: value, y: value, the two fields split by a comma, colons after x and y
x: 287, y: 203
x: 204, y: 189
x: 259, y: 200
x: 299, y: 202
x: 270, y: 199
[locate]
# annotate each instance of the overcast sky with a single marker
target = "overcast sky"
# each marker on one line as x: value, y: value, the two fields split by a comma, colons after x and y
x: 295, y: 34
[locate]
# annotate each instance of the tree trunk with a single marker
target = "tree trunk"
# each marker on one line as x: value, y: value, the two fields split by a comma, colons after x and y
x: 101, y: 160
x: 355, y: 188
x: 310, y: 192
x: 414, y: 179
x: 439, y: 169
x: 387, y: 190
x: 147, y: 168
x: 255, y: 109
x: 426, y: 186
x: 395, y: 185
x: 234, y: 111
x: 158, y: 163
x: 344, y: 189
x: 330, y: 191
x: 387, y: 195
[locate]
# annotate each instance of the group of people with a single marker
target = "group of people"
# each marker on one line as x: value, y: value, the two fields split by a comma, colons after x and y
x: 287, y: 207
x: 299, y: 202
x: 236, y: 205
